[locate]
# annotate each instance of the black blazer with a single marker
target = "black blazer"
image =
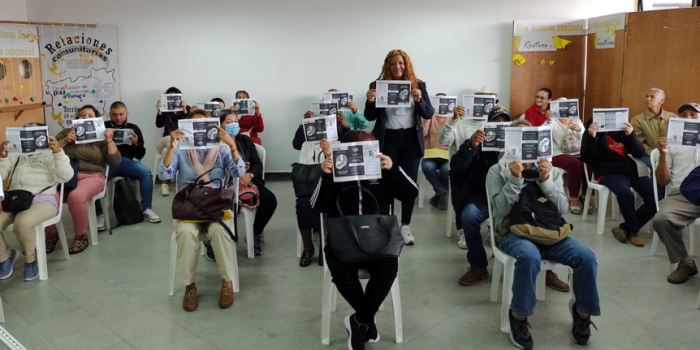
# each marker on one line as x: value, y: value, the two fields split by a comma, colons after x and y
x: 424, y: 110
x: 246, y: 149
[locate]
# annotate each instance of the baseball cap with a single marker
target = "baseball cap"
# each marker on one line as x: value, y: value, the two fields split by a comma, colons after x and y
x: 498, y: 111
x: 692, y: 105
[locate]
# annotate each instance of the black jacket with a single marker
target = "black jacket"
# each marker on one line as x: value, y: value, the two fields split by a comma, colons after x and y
x: 424, y: 110
x: 393, y: 184
x: 595, y: 152
x: 246, y: 149
x: 129, y: 151
x: 468, y: 169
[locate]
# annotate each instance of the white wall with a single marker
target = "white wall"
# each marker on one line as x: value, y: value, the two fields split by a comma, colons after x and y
x: 299, y: 49
x: 13, y: 10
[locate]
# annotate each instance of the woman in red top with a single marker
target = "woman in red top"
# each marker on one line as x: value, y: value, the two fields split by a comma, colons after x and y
x: 252, y: 124
x: 539, y: 112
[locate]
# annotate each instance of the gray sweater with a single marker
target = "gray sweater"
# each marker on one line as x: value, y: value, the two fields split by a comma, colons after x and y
x: 504, y: 189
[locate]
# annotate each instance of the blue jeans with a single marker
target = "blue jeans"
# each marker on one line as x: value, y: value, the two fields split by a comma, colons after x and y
x: 569, y: 252
x: 437, y: 172
x: 133, y: 169
x: 472, y: 217
x: 620, y: 185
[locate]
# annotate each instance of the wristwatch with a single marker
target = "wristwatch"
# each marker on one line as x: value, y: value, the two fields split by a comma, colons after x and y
x: 252, y: 176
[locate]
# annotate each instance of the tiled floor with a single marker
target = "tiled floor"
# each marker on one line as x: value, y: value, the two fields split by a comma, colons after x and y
x: 114, y: 296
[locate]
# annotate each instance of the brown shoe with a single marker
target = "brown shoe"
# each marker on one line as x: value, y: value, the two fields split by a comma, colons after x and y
x: 226, y: 298
x: 189, y: 302
x: 473, y: 275
x: 685, y: 269
x: 620, y: 234
x: 553, y: 281
x: 636, y: 240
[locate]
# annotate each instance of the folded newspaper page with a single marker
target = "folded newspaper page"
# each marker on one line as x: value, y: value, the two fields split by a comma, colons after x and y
x: 528, y: 144
x: 478, y: 106
x: 200, y: 133
x: 567, y: 109
x: 341, y: 98
x: 244, y: 107
x: 319, y: 128
x: 27, y: 141
x: 444, y: 105
x: 495, y: 139
x: 324, y: 108
x: 122, y: 136
x: 214, y: 108
x: 354, y: 161
x: 684, y: 132
x: 89, y: 130
x: 610, y: 119
x: 171, y: 103
x: 393, y: 93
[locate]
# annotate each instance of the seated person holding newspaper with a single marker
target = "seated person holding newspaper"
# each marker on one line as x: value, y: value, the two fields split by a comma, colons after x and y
x: 251, y: 125
x: 610, y: 154
x: 130, y: 166
x: 512, y: 186
x: 39, y: 174
x: 354, y: 118
x: 394, y: 183
x: 653, y: 122
x: 210, y: 164
x: 679, y: 209
x: 91, y: 177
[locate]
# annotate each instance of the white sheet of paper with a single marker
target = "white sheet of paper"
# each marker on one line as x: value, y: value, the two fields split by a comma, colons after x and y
x: 610, y: 119
x: 27, y: 141
x: 324, y: 108
x: 319, y: 128
x: 528, y: 144
x: 393, y: 93
x: 89, y: 130
x: 444, y: 105
x: 171, y: 103
x: 200, y: 133
x: 684, y: 132
x: 341, y: 98
x: 122, y: 136
x: 243, y: 107
x: 478, y: 106
x: 354, y: 161
x: 565, y: 109
x: 495, y: 138
x: 214, y: 108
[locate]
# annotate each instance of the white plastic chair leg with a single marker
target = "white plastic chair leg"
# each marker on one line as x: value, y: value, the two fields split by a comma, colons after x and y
x: 508, y: 273
x: 615, y: 208
x: 398, y: 314
x: 105, y: 211
x: 693, y: 245
x: 173, y: 265
x: 300, y: 244
x: 697, y: 304
x: 249, y: 216
x: 234, y: 261
x: 92, y: 223
x: 422, y: 183
x: 587, y: 202
x: 496, y: 279
x: 655, y: 245
x: 156, y: 162
x: 602, y: 209
x: 62, y: 238
x: 540, y: 285
x: 326, y: 300
x: 450, y: 216
x: 41, y: 252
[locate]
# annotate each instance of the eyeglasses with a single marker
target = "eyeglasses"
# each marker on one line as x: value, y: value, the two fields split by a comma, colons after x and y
x: 541, y: 98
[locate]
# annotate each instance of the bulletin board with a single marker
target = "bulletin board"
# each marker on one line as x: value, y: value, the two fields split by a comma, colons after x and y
x: 549, y: 54
x: 661, y: 50
x: 606, y: 50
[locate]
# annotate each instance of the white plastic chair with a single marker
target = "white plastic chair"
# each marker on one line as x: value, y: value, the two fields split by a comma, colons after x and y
x: 505, y: 264
x: 41, y: 238
x: 158, y: 158
x: 249, y: 215
x: 263, y: 154
x: 603, y: 193
x: 92, y: 213
x: 422, y: 184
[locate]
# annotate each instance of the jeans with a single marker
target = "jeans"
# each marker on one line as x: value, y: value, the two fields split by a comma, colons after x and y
x: 437, y: 172
x: 133, y: 169
x: 569, y: 252
x: 472, y: 217
x: 404, y: 150
x: 620, y: 185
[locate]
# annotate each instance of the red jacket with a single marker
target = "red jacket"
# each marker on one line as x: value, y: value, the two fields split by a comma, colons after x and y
x: 248, y: 122
x: 535, y: 115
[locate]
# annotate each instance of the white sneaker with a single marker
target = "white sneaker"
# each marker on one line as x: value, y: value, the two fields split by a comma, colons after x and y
x: 461, y: 243
x: 164, y: 190
x: 151, y: 216
x: 101, y: 223
x: 407, y: 236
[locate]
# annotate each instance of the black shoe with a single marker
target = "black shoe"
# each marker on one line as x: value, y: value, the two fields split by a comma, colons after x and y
x: 372, y: 335
x: 580, y: 327
x: 356, y: 333
x: 257, y: 248
x: 520, y: 332
x: 435, y: 200
x: 306, y: 257
x: 210, y: 252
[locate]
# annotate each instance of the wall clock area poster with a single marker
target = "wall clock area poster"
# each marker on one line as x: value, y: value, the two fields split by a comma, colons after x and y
x: 79, y: 66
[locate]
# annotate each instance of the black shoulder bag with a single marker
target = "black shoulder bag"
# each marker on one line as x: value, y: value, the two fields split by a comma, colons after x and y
x: 18, y: 200
x: 355, y: 238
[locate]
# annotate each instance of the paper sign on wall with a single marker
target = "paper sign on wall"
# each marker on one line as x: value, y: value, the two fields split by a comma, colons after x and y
x: 18, y: 41
x: 544, y: 35
x: 604, y: 29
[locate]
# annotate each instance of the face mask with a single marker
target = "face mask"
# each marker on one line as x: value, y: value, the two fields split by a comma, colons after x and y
x: 233, y: 129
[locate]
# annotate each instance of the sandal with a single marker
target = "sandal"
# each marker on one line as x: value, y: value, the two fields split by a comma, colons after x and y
x: 80, y: 243
x: 575, y: 209
x: 590, y: 206
x: 51, y: 244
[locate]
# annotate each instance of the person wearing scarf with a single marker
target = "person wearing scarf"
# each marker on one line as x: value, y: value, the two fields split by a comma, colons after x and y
x: 539, y: 112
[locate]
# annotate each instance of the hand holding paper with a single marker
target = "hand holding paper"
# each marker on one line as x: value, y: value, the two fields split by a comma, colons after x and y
x: 478, y: 137
x: 417, y: 95
x: 662, y: 145
x: 385, y: 161
x: 109, y: 135
x: 5, y: 149
x: 326, y: 148
x: 543, y: 168
x: 516, y: 168
x: 460, y: 111
x: 53, y: 145
x: 593, y: 129
x: 628, y: 129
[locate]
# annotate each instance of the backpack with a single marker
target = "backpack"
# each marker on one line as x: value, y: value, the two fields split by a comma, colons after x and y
x: 536, y: 218
x: 127, y: 208
x: 570, y: 143
x: 249, y: 197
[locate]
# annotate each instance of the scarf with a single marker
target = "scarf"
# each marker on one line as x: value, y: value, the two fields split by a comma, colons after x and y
x: 209, y: 161
x: 535, y: 115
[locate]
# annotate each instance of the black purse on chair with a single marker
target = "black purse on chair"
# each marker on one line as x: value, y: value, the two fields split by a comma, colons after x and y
x: 355, y: 238
x: 17, y: 201
x: 305, y: 178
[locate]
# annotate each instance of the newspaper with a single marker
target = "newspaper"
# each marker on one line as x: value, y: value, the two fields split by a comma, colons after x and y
x: 495, y: 139
x: 610, y: 119
x: 324, y: 108
x: 214, y: 108
x: 478, y: 106
x: 565, y: 109
x: 89, y: 130
x: 444, y: 105
x: 26, y: 141
x: 243, y: 107
x: 171, y: 103
x: 342, y: 98
x: 122, y: 136
x: 528, y: 144
x: 200, y: 133
x: 393, y: 93
x: 354, y: 161
x: 319, y: 128
x: 683, y: 132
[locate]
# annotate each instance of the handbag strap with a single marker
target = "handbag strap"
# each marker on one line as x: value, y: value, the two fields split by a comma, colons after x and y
x: 13, y: 174
x: 213, y: 217
x: 337, y: 201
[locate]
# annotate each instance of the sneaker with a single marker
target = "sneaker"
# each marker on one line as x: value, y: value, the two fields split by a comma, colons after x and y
x: 356, y: 333
x: 6, y: 266
x: 685, y: 269
x: 473, y: 275
x: 151, y: 216
x: 553, y: 281
x: 101, y: 222
x: 209, y: 254
x: 461, y: 242
x: 580, y: 327
x: 435, y: 200
x: 164, y: 190
x: 620, y: 234
x: 520, y: 332
x: 31, y: 271
x: 637, y: 240
x: 442, y: 202
x: 372, y: 335
x: 407, y: 236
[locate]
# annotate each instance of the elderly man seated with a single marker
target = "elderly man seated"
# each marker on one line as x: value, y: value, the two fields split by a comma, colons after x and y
x: 653, y: 122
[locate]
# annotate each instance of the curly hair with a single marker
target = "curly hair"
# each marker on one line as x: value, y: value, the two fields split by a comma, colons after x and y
x: 408, y: 73
x: 97, y: 113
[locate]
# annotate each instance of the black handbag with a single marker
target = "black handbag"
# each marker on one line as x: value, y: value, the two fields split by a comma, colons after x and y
x: 16, y: 201
x: 305, y: 178
x: 355, y: 238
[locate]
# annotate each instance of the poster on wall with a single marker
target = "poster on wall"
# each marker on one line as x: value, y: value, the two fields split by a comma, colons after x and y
x: 604, y: 29
x: 544, y: 35
x: 79, y: 66
x: 20, y: 83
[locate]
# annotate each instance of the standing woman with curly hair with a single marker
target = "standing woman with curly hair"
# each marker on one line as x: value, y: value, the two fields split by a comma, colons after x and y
x: 400, y: 130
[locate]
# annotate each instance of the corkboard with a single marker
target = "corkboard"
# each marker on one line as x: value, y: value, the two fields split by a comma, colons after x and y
x: 604, y: 75
x: 662, y: 50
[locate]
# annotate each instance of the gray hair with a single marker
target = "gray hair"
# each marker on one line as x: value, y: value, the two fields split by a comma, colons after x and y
x: 519, y: 122
x: 661, y: 92
x: 33, y: 124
